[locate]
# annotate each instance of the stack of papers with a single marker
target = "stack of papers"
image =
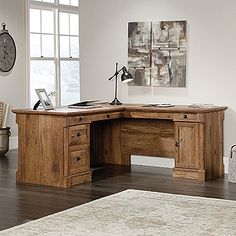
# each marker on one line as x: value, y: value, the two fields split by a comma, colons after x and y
x: 86, y: 104
x: 199, y: 105
x: 159, y: 105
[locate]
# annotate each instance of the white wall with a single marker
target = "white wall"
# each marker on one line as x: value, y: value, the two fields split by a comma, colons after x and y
x: 211, y: 65
x: 12, y: 84
x: 103, y: 28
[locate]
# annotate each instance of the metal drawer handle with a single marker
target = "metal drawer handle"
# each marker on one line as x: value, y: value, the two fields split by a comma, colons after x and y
x: 78, y: 158
x: 81, y: 118
x: 78, y: 134
x: 108, y: 116
x: 185, y: 116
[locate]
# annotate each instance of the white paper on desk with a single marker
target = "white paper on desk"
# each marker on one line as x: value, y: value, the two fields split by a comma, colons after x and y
x: 85, y: 106
x: 85, y: 103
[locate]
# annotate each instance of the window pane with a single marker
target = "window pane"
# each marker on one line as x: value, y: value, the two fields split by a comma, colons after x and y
x: 64, y: 2
x: 47, y: 22
x: 64, y: 23
x: 75, y: 3
x: 47, y: 45
x: 51, y: 1
x: 43, y: 42
x: 70, y: 82
x: 74, y: 24
x: 42, y: 75
x: 74, y: 46
x: 64, y: 46
x: 34, y: 20
x: 35, y: 45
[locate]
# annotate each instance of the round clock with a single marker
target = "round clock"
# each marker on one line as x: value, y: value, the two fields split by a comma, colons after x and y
x: 7, y: 50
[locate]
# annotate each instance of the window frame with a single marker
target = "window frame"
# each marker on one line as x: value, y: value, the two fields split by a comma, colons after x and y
x: 56, y: 8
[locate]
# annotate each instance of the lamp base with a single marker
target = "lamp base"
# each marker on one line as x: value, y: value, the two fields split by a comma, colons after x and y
x: 115, y: 102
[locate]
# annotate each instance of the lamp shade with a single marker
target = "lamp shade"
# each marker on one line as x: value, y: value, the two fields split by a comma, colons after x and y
x: 126, y: 76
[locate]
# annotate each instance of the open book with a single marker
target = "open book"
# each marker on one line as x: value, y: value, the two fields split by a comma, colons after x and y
x: 86, y: 104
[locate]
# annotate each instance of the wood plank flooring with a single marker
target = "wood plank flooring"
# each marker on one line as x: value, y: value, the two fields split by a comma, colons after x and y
x: 22, y: 203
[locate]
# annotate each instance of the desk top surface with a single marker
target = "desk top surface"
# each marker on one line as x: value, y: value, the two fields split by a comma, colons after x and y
x: 65, y: 111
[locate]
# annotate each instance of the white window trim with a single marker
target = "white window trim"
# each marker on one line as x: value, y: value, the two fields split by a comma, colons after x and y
x: 57, y: 8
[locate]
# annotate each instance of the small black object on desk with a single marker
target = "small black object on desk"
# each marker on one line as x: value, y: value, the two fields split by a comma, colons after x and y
x: 36, y: 105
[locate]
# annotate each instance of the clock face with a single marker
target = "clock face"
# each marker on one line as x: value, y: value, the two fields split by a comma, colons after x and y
x: 7, y: 52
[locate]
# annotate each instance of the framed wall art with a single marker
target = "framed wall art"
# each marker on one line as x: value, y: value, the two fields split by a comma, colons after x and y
x: 157, y: 53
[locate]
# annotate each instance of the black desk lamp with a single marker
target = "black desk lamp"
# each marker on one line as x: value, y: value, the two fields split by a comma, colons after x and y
x: 125, y: 78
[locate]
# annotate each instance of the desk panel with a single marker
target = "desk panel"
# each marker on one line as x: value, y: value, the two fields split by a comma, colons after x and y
x: 105, y: 143
x: 147, y: 137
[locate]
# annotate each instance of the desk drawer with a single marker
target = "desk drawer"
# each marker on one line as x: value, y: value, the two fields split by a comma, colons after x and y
x: 78, y: 135
x: 78, y: 161
x: 189, y: 117
x: 106, y: 116
x: 74, y: 120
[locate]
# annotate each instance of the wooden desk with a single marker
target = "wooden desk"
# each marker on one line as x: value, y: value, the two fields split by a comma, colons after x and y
x: 58, y: 147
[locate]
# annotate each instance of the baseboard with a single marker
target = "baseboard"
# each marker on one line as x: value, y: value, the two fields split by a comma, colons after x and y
x: 164, y: 162
x: 226, y: 164
x: 13, y: 142
x: 152, y: 161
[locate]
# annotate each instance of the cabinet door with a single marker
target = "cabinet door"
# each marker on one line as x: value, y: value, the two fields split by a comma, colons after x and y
x: 187, y: 145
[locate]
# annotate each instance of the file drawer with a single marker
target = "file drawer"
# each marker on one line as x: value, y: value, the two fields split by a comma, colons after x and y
x: 78, y: 135
x: 78, y: 161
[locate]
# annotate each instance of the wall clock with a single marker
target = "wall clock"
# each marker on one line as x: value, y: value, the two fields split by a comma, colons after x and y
x: 7, y: 50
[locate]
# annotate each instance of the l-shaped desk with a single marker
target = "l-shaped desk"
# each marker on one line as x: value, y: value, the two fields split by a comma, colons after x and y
x: 59, y: 147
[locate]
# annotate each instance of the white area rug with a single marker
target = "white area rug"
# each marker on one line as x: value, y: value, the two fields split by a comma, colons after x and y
x: 135, y: 212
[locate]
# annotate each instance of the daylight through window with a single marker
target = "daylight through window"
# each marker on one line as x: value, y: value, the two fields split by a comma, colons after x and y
x: 54, y: 50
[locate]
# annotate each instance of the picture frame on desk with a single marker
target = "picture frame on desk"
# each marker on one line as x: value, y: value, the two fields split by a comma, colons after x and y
x: 44, y: 99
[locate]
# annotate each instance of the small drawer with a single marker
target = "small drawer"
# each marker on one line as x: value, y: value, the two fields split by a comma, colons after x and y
x: 78, y: 161
x: 106, y: 116
x: 186, y: 117
x: 78, y: 135
x: 80, y: 119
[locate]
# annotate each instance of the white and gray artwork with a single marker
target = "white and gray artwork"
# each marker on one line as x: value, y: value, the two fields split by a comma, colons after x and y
x: 142, y: 76
x: 139, y: 40
x: 157, y: 53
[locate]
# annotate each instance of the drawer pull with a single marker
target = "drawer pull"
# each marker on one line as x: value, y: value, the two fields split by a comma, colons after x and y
x: 185, y: 116
x: 78, y: 134
x: 108, y: 116
x: 81, y: 118
x: 78, y: 158
x: 177, y: 144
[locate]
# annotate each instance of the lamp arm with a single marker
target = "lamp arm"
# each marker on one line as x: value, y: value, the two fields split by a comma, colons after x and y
x: 117, y: 72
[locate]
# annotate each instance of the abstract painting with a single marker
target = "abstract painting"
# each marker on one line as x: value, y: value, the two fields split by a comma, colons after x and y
x: 157, y: 53
x: 139, y: 41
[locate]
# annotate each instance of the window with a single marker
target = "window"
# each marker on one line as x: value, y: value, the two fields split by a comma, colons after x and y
x: 54, y: 49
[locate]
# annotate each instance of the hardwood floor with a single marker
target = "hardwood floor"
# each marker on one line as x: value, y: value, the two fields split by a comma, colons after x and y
x: 22, y: 203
